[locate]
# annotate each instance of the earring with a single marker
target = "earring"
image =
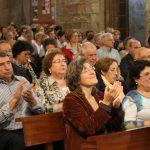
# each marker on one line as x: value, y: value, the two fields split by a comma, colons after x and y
x: 50, y: 71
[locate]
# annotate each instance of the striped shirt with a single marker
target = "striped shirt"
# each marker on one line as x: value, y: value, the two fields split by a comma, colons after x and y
x: 7, y: 117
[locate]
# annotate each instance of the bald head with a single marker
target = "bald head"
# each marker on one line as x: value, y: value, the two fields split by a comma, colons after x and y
x: 89, y: 52
x: 133, y: 45
x: 142, y: 53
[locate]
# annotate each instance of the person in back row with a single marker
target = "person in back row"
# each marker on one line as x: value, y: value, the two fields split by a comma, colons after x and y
x: 132, y: 46
x: 89, y: 52
x: 106, y: 49
x: 22, y: 51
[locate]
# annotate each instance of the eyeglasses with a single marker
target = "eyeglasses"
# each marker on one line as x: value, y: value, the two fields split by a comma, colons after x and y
x: 145, y: 75
x: 58, y: 61
x: 85, y: 70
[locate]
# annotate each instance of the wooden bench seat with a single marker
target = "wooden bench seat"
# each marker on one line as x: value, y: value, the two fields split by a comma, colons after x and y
x: 43, y: 129
x: 48, y: 128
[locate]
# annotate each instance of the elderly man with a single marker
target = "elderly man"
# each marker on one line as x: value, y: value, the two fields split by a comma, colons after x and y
x: 107, y: 50
x: 142, y: 53
x: 89, y: 52
x: 128, y: 59
x: 17, y: 99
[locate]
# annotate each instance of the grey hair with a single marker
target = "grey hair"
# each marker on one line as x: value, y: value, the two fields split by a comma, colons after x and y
x: 104, y: 37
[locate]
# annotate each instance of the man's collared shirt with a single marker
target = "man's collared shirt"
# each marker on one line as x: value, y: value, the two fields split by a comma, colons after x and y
x: 107, y: 52
x: 7, y: 117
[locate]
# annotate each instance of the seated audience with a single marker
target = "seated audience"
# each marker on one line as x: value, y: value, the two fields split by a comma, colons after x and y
x: 89, y: 52
x: 10, y: 38
x: 117, y: 43
x: 52, y: 86
x: 5, y: 46
x: 132, y: 46
x: 87, y: 111
x: 108, y: 73
x: 61, y: 39
x: 106, y: 49
x: 48, y: 44
x: 142, y: 53
x: 136, y: 103
x: 17, y: 99
x: 72, y: 46
x: 126, y: 46
x: 22, y: 51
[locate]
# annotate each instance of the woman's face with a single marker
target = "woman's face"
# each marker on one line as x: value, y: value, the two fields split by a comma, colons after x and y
x: 88, y: 76
x: 59, y: 65
x: 112, y: 74
x: 144, y: 80
x: 23, y: 57
x: 74, y: 38
x: 62, y: 39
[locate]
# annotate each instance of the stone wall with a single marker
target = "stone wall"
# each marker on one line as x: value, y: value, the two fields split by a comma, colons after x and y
x: 17, y: 11
x: 80, y: 14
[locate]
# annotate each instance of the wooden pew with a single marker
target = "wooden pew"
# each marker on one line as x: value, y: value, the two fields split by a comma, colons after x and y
x: 43, y: 129
x: 47, y: 128
x: 137, y: 139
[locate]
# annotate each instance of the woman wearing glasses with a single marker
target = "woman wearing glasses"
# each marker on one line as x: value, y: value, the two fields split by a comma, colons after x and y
x: 136, y: 103
x: 52, y: 86
x: 86, y: 110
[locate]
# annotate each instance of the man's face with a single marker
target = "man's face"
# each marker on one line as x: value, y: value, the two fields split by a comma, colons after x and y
x: 109, y: 42
x: 134, y: 46
x: 6, y: 70
x: 6, y: 47
x: 90, y: 55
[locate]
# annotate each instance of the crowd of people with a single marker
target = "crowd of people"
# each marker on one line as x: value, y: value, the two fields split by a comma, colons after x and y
x: 99, y: 82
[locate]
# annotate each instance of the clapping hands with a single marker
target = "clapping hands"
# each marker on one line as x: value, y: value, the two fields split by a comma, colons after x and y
x: 113, y: 95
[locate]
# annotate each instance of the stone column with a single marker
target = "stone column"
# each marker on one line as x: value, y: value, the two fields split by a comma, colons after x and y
x: 137, y: 19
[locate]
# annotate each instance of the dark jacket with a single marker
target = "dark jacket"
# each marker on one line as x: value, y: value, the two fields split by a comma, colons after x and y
x: 125, y: 64
x: 82, y: 121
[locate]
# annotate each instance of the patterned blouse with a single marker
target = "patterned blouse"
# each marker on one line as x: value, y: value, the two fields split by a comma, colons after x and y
x: 50, y: 93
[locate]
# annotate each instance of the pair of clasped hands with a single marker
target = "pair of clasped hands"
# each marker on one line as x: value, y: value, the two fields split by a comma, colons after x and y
x: 114, y: 95
x: 26, y: 95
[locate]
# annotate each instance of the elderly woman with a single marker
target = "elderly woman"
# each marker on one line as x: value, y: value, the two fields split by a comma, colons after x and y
x: 22, y: 65
x: 136, y: 103
x: 108, y: 73
x: 52, y: 86
x: 72, y: 46
x: 86, y: 110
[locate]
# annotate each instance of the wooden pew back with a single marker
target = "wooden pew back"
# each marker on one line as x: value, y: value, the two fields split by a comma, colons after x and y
x: 43, y: 129
x: 137, y: 139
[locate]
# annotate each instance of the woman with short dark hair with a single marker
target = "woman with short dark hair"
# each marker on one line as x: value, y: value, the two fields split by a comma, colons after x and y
x: 22, y: 65
x: 136, y: 103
